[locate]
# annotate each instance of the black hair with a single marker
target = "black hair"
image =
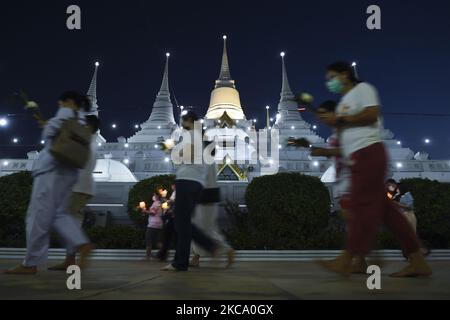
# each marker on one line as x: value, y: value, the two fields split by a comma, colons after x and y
x: 82, y: 101
x: 329, y: 106
x: 93, y: 122
x: 391, y: 181
x: 341, y: 67
x: 159, y: 188
x: 190, y: 115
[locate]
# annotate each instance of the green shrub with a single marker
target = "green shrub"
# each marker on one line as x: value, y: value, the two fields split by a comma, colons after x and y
x: 287, y: 210
x: 143, y: 191
x: 241, y: 233
x: 117, y: 237
x: 432, y: 208
x: 15, y: 192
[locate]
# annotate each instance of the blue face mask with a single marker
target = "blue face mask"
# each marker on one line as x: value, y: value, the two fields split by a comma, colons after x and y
x: 334, y: 85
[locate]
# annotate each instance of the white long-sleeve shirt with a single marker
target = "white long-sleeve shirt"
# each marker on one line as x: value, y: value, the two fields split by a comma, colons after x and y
x: 85, y: 183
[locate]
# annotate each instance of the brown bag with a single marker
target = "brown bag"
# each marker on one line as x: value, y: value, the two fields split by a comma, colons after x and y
x: 71, y: 146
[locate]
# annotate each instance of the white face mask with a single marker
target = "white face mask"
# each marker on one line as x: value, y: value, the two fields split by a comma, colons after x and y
x: 391, y: 188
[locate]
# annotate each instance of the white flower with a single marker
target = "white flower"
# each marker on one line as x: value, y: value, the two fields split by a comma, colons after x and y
x: 31, y: 105
x: 169, y: 144
x: 307, y: 98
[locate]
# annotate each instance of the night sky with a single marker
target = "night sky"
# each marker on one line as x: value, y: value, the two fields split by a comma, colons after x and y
x: 408, y: 60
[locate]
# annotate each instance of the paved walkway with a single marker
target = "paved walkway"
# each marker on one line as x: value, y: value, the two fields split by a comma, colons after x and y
x: 246, y: 280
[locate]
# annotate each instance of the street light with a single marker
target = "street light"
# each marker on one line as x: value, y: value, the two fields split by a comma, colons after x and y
x: 268, y: 116
x: 3, y: 122
x: 114, y: 126
x: 15, y: 140
x: 427, y: 141
x: 355, y: 68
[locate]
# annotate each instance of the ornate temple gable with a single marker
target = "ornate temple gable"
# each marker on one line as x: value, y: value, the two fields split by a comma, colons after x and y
x: 230, y: 172
x: 226, y: 121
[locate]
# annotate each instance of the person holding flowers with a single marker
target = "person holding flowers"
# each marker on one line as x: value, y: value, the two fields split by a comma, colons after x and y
x: 358, y: 118
x: 52, y: 188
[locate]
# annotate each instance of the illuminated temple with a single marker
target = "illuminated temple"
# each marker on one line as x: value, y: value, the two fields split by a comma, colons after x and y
x: 128, y: 160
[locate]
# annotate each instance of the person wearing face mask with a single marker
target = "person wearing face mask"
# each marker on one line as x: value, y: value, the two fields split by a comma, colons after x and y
x: 52, y: 187
x: 190, y: 180
x: 358, y: 118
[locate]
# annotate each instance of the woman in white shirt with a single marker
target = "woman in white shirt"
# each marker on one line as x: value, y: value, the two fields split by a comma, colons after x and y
x: 358, y: 118
x: 83, y: 190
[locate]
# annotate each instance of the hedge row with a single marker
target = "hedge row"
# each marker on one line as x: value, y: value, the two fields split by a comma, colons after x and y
x: 288, y: 211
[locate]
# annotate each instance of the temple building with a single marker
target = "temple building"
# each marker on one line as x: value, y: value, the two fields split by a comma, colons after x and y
x: 138, y: 157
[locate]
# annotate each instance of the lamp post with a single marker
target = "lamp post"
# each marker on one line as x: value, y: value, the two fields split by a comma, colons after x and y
x: 355, y: 69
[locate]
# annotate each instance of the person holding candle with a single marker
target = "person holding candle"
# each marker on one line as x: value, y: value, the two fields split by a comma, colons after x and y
x: 155, y: 223
x: 359, y: 119
x: 168, y: 233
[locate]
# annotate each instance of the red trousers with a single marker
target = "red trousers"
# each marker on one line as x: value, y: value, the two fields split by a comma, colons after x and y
x: 369, y: 207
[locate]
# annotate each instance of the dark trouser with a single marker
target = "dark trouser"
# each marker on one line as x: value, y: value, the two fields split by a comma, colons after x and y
x: 168, y: 236
x: 369, y: 206
x: 152, y: 237
x: 188, y: 193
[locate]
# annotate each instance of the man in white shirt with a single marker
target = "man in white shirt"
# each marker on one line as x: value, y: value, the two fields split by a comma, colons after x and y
x: 358, y: 118
x: 83, y: 191
x: 190, y: 181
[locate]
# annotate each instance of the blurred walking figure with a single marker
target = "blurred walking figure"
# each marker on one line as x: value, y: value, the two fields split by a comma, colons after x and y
x: 205, y: 218
x: 55, y: 173
x: 190, y: 181
x: 341, y: 187
x: 358, y: 118
x: 84, y: 189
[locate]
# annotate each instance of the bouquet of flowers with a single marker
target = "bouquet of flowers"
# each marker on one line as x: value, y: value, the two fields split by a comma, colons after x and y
x: 166, y: 145
x: 31, y: 106
x: 304, y: 100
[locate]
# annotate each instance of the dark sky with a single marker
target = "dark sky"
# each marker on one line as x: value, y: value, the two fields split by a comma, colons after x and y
x: 408, y: 60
